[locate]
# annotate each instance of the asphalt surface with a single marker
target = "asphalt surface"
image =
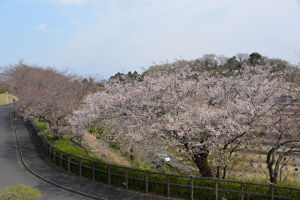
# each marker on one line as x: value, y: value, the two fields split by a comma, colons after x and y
x: 13, y: 172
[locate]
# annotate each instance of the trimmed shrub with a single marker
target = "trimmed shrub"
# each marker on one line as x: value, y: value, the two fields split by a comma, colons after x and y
x: 19, y: 192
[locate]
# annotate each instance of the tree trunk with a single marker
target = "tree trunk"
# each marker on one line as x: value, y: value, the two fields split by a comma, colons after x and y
x: 218, y: 172
x: 273, y: 167
x: 201, y: 161
x: 276, y: 170
x: 273, y: 179
x: 270, y: 162
x: 56, y: 135
x: 54, y: 129
x: 199, y: 156
x: 224, y: 172
x: 80, y: 145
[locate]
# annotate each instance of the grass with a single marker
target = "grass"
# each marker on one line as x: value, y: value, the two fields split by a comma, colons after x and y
x: 64, y: 144
x: 42, y: 125
x: 3, y: 90
x: 68, y: 146
x: 20, y: 192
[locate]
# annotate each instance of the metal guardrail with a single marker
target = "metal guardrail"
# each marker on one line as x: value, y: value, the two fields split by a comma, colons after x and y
x: 169, y: 185
x: 20, y: 150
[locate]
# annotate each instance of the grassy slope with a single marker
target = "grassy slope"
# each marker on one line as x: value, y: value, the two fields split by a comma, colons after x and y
x: 68, y: 146
x: 65, y: 144
x: 103, y: 151
x: 104, y: 154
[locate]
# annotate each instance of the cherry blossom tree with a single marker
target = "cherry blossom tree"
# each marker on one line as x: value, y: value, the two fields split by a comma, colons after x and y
x: 282, y: 135
x: 286, y: 136
x: 182, y: 104
x: 46, y: 93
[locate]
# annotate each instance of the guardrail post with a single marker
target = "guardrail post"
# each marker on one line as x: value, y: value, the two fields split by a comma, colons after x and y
x: 69, y: 167
x: 168, y: 186
x: 242, y: 191
x: 216, y: 191
x: 108, y: 175
x: 61, y: 158
x: 146, y: 181
x: 192, y: 188
x: 80, y: 167
x: 126, y: 177
x: 93, y: 170
x: 272, y: 191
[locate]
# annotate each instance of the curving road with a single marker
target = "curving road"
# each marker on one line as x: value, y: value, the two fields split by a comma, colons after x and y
x: 13, y: 172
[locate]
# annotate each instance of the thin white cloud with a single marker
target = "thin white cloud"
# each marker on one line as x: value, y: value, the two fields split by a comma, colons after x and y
x: 44, y: 28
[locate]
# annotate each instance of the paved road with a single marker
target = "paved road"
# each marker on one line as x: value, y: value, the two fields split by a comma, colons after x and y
x: 13, y: 172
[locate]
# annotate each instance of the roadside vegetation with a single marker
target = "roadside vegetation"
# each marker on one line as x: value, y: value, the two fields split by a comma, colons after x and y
x: 212, y: 116
x: 65, y: 144
x: 19, y: 192
x: 4, y: 90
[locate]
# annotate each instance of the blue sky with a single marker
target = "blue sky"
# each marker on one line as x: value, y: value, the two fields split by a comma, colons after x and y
x: 108, y: 36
